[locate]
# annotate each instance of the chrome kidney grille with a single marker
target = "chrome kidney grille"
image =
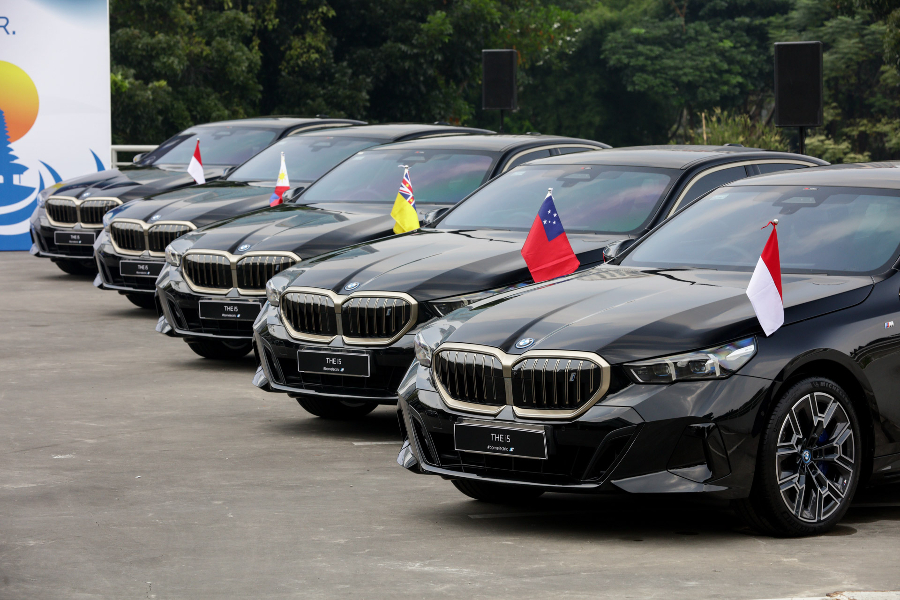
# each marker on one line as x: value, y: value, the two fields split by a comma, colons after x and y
x: 555, y: 383
x: 62, y: 211
x: 254, y: 271
x: 160, y: 236
x: 309, y: 314
x: 92, y: 211
x: 208, y: 271
x: 374, y: 317
x: 471, y: 377
x: 128, y: 236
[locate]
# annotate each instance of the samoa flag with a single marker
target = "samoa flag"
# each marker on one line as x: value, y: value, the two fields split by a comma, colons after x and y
x: 547, y: 250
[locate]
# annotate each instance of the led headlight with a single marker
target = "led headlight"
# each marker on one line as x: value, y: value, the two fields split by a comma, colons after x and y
x: 713, y: 363
x: 107, y: 218
x: 444, y: 306
x: 173, y: 256
x: 46, y: 193
x: 275, y: 287
x: 273, y: 294
x: 426, y: 343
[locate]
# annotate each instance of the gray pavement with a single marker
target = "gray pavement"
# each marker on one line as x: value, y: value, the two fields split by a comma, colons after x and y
x: 131, y: 468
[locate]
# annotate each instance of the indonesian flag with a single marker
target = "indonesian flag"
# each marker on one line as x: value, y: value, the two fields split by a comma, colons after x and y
x: 764, y: 290
x: 281, y: 186
x: 195, y: 168
x: 547, y: 250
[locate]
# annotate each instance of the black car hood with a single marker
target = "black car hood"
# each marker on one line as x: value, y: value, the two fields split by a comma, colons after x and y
x: 129, y: 183
x: 430, y: 264
x: 305, y: 230
x: 201, y: 204
x: 626, y: 314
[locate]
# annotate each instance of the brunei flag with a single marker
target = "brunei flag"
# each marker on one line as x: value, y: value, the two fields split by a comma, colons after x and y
x: 281, y: 186
x: 404, y: 211
x: 547, y: 250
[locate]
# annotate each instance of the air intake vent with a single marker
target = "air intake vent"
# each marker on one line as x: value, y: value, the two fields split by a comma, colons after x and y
x: 208, y: 271
x: 556, y: 383
x: 163, y: 234
x: 128, y: 236
x: 254, y: 271
x: 374, y: 317
x: 92, y: 211
x: 471, y: 377
x: 310, y: 314
x: 62, y: 211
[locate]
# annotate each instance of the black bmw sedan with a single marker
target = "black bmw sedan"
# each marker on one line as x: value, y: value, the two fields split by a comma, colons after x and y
x: 369, y: 300
x: 215, y: 284
x: 70, y: 213
x: 130, y: 251
x: 654, y: 376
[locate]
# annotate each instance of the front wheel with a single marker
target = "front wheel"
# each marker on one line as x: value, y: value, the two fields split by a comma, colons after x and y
x: 809, y: 462
x: 342, y: 410
x: 219, y: 349
x: 76, y: 267
x: 142, y: 300
x: 496, y: 493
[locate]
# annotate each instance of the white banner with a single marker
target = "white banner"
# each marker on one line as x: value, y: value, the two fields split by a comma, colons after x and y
x: 55, y: 102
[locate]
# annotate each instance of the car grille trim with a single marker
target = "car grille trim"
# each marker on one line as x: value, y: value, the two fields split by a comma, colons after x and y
x: 209, y: 273
x: 309, y: 316
x: 543, y: 384
x: 254, y: 271
x: 134, y: 237
x: 66, y: 211
x: 246, y: 273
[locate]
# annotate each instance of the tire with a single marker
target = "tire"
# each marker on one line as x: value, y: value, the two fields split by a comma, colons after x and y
x: 220, y: 350
x: 496, y: 493
x: 76, y: 267
x: 809, y: 462
x: 142, y: 300
x: 341, y: 410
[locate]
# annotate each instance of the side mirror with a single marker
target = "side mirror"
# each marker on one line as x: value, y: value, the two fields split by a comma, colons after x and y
x: 434, y: 216
x: 616, y: 249
x: 292, y: 194
x: 138, y: 158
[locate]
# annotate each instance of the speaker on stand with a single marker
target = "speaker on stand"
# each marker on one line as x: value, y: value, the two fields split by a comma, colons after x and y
x: 499, y: 81
x: 799, y: 86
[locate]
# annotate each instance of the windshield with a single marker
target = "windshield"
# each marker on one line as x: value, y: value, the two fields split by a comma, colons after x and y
x: 437, y: 176
x: 830, y: 230
x: 218, y: 146
x: 306, y: 158
x: 595, y: 198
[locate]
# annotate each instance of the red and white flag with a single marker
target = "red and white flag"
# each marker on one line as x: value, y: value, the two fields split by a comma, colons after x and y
x: 195, y: 168
x: 764, y: 290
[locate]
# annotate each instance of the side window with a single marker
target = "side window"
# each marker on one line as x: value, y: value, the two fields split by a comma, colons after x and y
x: 775, y: 167
x: 710, y: 182
x: 574, y: 149
x: 524, y: 158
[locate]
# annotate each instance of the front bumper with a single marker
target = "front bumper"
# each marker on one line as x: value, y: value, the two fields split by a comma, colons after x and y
x: 686, y: 437
x: 110, y: 275
x: 44, y: 244
x: 278, y: 360
x: 179, y: 309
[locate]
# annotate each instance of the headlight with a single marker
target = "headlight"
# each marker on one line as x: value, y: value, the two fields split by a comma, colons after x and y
x: 426, y: 342
x: 444, y: 306
x: 107, y: 218
x: 273, y: 294
x: 173, y: 256
x: 714, y: 363
x: 275, y: 287
x: 46, y: 193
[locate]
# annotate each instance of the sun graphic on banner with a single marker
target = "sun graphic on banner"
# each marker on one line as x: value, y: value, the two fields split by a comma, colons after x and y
x: 18, y: 100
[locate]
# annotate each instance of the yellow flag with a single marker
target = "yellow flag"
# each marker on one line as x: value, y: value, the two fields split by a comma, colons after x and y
x: 404, y: 211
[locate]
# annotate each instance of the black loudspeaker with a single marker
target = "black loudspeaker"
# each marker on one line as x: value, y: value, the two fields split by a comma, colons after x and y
x: 798, y: 84
x: 499, y: 79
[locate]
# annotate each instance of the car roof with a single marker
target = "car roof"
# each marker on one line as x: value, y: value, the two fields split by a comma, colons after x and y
x: 670, y: 157
x: 395, y: 131
x: 885, y: 175
x: 278, y: 123
x: 497, y: 142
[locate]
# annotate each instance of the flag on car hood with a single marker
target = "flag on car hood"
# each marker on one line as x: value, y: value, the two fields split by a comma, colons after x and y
x: 195, y: 168
x: 281, y: 186
x: 404, y: 210
x: 547, y: 250
x: 764, y: 290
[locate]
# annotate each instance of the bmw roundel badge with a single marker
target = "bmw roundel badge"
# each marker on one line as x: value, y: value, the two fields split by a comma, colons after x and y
x: 524, y: 342
x: 351, y: 286
x: 155, y: 217
x: 244, y: 247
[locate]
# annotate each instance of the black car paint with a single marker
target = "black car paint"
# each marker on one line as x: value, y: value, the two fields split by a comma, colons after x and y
x: 144, y: 179
x: 431, y: 264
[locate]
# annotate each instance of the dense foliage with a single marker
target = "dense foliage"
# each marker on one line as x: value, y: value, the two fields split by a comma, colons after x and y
x: 620, y: 71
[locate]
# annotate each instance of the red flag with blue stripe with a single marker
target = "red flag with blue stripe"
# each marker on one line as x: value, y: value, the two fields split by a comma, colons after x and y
x: 547, y: 250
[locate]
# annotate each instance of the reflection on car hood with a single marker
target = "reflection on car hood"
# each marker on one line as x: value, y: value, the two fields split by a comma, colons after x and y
x: 305, y: 230
x: 129, y: 183
x: 628, y: 314
x: 429, y: 264
x: 200, y: 204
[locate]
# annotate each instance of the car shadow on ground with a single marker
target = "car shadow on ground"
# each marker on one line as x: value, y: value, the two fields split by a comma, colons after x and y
x: 379, y: 426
